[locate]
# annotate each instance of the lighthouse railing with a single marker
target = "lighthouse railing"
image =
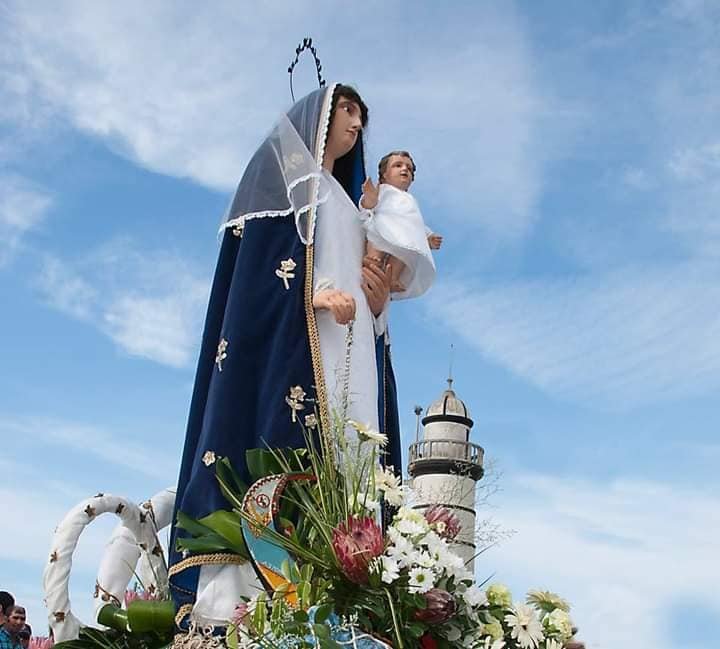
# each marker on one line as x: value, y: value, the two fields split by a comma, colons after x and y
x: 451, y: 449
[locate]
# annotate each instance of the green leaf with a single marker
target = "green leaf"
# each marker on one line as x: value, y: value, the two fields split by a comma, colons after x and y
x: 416, y: 600
x: 261, y: 463
x: 322, y: 613
x: 329, y: 644
x: 285, y: 569
x: 280, y: 592
x: 231, y: 636
x: 303, y: 591
x: 227, y: 525
x: 321, y: 631
x: 415, y: 629
x: 224, y: 469
x: 206, y: 543
x: 375, y: 607
x: 260, y: 613
x: 185, y: 522
x: 306, y: 572
x: 301, y: 617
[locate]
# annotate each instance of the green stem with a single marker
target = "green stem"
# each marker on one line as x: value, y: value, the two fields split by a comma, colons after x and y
x: 396, y: 626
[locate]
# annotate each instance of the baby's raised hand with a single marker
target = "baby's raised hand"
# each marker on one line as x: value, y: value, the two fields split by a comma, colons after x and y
x: 370, y: 194
x: 435, y: 241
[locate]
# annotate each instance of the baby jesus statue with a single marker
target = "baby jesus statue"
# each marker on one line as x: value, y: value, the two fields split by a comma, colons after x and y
x: 395, y: 230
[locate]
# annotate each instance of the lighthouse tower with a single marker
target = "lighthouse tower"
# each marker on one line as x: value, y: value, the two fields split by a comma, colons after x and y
x: 444, y: 466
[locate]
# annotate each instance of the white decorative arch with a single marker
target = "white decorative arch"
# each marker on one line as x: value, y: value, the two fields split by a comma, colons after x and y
x: 123, y: 557
x: 137, y: 523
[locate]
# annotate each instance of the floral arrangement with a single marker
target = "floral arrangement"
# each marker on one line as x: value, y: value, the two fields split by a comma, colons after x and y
x: 401, y: 587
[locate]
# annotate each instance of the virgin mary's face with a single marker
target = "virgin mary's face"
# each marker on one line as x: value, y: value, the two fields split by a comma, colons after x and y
x: 345, y: 127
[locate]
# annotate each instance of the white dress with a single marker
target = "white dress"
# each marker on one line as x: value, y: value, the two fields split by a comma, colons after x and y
x: 339, y: 249
x: 396, y: 226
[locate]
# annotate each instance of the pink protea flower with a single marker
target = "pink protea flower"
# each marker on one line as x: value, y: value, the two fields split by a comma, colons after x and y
x: 40, y: 642
x: 439, y: 607
x: 132, y: 595
x: 443, y: 521
x: 355, y: 543
x: 241, y: 612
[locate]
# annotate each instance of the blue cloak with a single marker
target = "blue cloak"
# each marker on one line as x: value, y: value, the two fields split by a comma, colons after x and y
x: 260, y: 339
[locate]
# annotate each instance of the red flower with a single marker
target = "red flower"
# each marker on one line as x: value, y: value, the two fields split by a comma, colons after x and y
x: 428, y: 642
x: 439, y: 607
x: 445, y: 523
x: 355, y: 543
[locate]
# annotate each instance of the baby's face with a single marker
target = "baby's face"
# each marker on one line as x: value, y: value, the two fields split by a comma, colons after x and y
x: 399, y: 172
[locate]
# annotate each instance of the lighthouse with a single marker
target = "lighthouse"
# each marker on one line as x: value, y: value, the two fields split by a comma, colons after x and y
x: 444, y: 466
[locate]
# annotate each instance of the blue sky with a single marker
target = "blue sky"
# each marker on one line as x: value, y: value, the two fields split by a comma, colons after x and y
x: 570, y: 154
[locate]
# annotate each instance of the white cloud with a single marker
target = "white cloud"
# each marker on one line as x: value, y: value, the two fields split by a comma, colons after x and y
x: 623, y: 552
x: 65, y: 290
x: 617, y: 339
x: 638, y: 179
x: 701, y: 164
x: 149, y: 303
x: 23, y: 206
x: 694, y: 198
x: 156, y: 328
x: 33, y: 513
x: 468, y: 83
x: 90, y: 440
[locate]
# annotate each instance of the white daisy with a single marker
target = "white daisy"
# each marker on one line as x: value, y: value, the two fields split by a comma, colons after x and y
x: 368, y: 434
x: 547, y: 601
x: 526, y: 628
x: 385, y: 478
x: 407, y: 513
x: 424, y: 560
x: 390, y: 569
x: 421, y: 579
x: 474, y: 596
x: 409, y: 527
x: 435, y: 544
x: 552, y: 644
x: 494, y: 644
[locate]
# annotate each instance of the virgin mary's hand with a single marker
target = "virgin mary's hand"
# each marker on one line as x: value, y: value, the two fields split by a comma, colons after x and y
x: 375, y: 284
x: 339, y: 303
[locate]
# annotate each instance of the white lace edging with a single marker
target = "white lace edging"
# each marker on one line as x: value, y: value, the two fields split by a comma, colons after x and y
x: 320, y: 157
x: 326, y: 123
x: 239, y: 221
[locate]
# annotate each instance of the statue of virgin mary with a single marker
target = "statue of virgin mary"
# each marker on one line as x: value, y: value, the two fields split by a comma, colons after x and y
x: 289, y: 277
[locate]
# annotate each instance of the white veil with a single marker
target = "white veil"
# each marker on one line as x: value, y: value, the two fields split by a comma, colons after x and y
x: 284, y: 176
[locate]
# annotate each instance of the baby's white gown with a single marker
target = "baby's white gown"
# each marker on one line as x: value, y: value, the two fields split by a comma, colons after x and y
x: 396, y: 226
